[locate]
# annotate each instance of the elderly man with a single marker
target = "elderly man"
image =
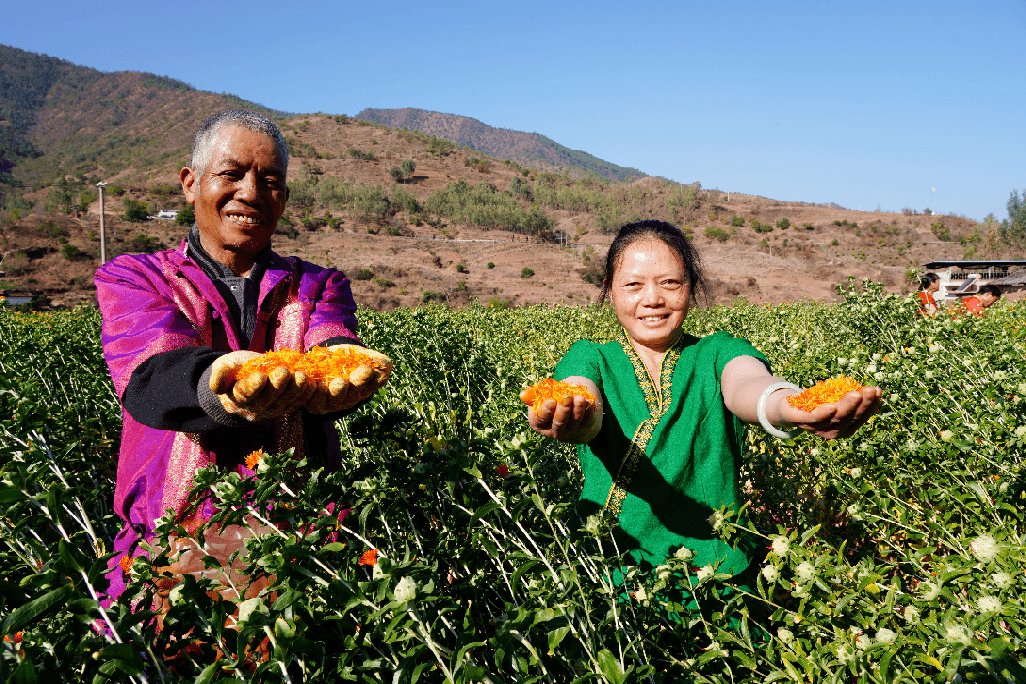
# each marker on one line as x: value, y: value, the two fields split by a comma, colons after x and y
x: 178, y: 324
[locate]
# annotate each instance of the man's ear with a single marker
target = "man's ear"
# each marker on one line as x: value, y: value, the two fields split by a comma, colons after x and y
x: 188, y: 178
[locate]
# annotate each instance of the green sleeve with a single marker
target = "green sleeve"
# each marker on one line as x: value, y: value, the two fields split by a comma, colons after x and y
x: 729, y: 348
x: 581, y: 359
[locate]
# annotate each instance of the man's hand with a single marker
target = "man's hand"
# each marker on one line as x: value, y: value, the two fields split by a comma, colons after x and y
x: 258, y: 396
x: 840, y: 419
x: 575, y: 420
x: 344, y: 393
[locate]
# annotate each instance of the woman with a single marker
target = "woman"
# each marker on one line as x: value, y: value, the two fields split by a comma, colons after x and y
x: 928, y: 284
x: 661, y: 447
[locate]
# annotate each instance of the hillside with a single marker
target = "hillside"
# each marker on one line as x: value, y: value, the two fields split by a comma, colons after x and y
x: 524, y: 148
x: 454, y: 227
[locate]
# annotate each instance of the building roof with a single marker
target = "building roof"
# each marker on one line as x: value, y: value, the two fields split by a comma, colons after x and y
x: 1016, y: 278
x: 968, y: 264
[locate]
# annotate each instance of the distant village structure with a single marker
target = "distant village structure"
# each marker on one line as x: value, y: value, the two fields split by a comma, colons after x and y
x: 960, y: 279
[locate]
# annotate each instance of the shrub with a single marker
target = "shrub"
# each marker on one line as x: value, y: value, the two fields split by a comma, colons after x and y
x: 491, y: 265
x: 835, y: 242
x: 717, y: 233
x: 432, y: 296
x: 500, y: 303
x: 360, y: 154
x: 136, y: 211
x: 783, y: 224
x: 73, y: 253
x: 737, y: 221
x: 526, y: 272
x: 363, y: 274
x: 186, y: 216
x: 384, y: 282
x: 808, y: 226
x: 460, y: 268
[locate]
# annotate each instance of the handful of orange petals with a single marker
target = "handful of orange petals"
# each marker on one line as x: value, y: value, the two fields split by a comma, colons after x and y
x: 537, y: 394
x: 319, y: 364
x: 823, y: 392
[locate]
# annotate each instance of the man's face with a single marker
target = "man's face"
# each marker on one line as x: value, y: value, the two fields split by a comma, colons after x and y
x: 987, y: 298
x: 240, y: 195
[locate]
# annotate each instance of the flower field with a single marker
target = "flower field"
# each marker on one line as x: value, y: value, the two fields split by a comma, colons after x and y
x: 893, y: 556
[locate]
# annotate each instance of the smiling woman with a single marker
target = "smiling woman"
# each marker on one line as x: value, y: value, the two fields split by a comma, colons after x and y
x: 660, y: 446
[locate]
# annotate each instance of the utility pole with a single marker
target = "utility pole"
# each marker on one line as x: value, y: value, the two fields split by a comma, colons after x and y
x: 103, y: 232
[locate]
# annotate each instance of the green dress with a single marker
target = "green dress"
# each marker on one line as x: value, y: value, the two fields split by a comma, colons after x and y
x: 664, y: 462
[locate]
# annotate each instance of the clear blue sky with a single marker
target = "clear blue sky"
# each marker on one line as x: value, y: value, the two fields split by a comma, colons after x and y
x: 917, y: 104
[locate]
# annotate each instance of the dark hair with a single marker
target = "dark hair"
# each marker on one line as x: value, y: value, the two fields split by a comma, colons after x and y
x: 927, y: 280
x: 670, y: 235
x: 990, y: 289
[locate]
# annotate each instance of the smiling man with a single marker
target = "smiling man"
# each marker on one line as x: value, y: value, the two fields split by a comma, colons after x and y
x: 178, y: 324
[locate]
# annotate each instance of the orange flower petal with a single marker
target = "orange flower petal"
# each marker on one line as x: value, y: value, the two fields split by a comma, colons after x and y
x: 254, y: 459
x: 369, y: 557
x: 823, y: 392
x: 318, y: 364
x: 537, y: 394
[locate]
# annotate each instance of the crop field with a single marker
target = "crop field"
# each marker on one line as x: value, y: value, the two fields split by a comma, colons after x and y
x: 893, y: 556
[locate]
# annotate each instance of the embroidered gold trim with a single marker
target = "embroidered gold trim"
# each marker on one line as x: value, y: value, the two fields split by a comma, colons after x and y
x: 658, y: 404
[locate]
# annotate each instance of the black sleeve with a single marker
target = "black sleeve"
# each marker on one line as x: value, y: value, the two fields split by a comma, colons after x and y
x: 162, y: 392
x: 341, y: 339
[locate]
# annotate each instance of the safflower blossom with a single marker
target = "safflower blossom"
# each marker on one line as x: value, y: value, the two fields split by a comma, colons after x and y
x: 958, y: 634
x: 716, y: 520
x: 806, y: 571
x: 985, y: 548
x: 318, y: 364
x: 502, y: 471
x: 770, y: 573
x: 885, y: 636
x: 703, y: 572
x: 785, y: 635
x: 855, y: 473
x: 684, y: 554
x: 405, y: 590
x: 989, y: 604
x: 1001, y: 580
x: 369, y: 557
x: 253, y: 460
x: 824, y: 392
x: 126, y: 564
x: 911, y: 614
x: 780, y: 546
x: 946, y: 435
x: 537, y: 394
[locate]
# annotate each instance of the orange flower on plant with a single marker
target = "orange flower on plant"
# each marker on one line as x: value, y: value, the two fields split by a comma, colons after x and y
x: 823, y: 392
x: 253, y: 460
x: 369, y: 557
x: 126, y: 564
x: 16, y: 639
x: 318, y: 363
x: 537, y: 394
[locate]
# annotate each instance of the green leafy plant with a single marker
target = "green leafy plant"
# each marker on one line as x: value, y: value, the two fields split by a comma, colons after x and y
x: 526, y: 272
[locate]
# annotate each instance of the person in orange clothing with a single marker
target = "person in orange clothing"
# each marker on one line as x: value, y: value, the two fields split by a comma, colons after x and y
x: 984, y: 298
x: 929, y: 284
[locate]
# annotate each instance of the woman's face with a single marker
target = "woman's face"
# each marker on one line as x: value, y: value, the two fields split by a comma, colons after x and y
x: 650, y: 293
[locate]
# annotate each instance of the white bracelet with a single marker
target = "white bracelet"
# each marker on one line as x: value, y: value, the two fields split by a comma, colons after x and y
x: 760, y: 410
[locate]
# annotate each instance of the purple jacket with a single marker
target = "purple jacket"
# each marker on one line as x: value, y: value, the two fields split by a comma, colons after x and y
x: 163, y: 302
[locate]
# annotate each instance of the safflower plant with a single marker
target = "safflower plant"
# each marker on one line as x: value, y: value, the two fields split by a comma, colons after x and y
x: 871, y: 567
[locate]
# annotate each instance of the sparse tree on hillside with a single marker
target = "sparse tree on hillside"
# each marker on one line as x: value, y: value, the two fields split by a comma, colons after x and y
x: 1013, y: 231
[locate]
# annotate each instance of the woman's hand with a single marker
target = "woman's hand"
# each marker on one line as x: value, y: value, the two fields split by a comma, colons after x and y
x: 576, y: 420
x: 258, y: 396
x: 345, y: 393
x: 831, y: 421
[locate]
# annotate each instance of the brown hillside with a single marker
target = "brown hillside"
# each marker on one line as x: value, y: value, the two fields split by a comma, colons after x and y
x: 134, y: 132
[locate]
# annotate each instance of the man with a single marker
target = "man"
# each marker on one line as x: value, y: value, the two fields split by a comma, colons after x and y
x: 983, y: 299
x: 178, y: 325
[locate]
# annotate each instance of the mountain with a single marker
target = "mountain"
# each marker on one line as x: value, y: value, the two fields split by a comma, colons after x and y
x: 524, y: 148
x: 58, y: 119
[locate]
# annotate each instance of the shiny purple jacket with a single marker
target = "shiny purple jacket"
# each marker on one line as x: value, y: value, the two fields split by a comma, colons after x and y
x: 152, y: 304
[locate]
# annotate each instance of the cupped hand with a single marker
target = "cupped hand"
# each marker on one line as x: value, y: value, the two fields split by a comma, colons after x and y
x: 840, y: 419
x: 258, y: 396
x: 573, y: 419
x: 343, y: 393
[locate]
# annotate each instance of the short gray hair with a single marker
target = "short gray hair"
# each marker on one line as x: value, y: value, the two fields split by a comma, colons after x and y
x: 241, y: 118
